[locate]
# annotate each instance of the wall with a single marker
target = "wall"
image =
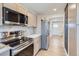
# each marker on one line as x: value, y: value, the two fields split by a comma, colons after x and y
x: 57, y: 26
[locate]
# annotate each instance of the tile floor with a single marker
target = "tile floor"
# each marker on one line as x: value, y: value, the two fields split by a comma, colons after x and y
x: 56, y: 47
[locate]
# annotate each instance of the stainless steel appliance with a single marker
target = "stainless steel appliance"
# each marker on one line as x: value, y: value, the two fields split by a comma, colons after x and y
x: 13, y: 17
x: 15, y: 40
x: 21, y: 48
x: 10, y: 38
x: 10, y: 16
x: 44, y: 34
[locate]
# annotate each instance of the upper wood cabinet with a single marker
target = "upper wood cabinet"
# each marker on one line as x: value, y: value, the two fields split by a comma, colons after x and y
x: 12, y: 6
x: 31, y: 19
x: 0, y: 13
x: 26, y: 11
x: 16, y: 6
x: 34, y: 21
x: 21, y: 9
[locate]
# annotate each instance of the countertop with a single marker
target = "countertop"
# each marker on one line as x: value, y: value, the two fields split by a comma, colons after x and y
x: 33, y: 35
x: 4, y: 48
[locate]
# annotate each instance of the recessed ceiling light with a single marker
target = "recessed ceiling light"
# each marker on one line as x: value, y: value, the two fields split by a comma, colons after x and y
x: 54, y: 9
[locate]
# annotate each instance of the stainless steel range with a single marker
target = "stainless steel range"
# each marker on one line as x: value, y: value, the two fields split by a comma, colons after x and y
x: 10, y: 38
x: 15, y: 40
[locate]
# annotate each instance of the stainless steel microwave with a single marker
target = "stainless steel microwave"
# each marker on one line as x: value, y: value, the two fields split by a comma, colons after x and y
x: 13, y: 17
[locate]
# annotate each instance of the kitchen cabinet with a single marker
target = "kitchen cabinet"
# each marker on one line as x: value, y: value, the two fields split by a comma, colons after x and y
x: 37, y: 45
x: 34, y: 20
x: 16, y: 6
x: 36, y: 42
x: 31, y: 19
x: 26, y: 11
x: 31, y: 16
x: 0, y: 13
x: 21, y: 9
x: 12, y: 6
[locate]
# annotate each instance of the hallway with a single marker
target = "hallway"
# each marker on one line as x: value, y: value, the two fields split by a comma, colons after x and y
x: 56, y: 47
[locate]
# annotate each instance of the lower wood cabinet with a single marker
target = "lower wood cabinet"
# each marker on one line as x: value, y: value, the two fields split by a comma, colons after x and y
x: 37, y: 45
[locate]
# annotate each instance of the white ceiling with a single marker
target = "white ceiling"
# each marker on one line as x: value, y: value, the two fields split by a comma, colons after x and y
x: 46, y: 8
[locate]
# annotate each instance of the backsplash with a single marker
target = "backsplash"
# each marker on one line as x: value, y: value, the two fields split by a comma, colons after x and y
x: 27, y: 30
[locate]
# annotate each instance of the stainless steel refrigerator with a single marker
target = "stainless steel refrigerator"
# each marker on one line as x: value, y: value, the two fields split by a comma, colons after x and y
x: 44, y: 34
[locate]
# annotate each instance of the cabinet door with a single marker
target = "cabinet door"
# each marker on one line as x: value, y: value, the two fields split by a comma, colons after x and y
x: 36, y: 45
x: 21, y: 9
x: 10, y: 5
x: 34, y: 20
x: 31, y: 19
x: 26, y: 11
x: 0, y: 13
